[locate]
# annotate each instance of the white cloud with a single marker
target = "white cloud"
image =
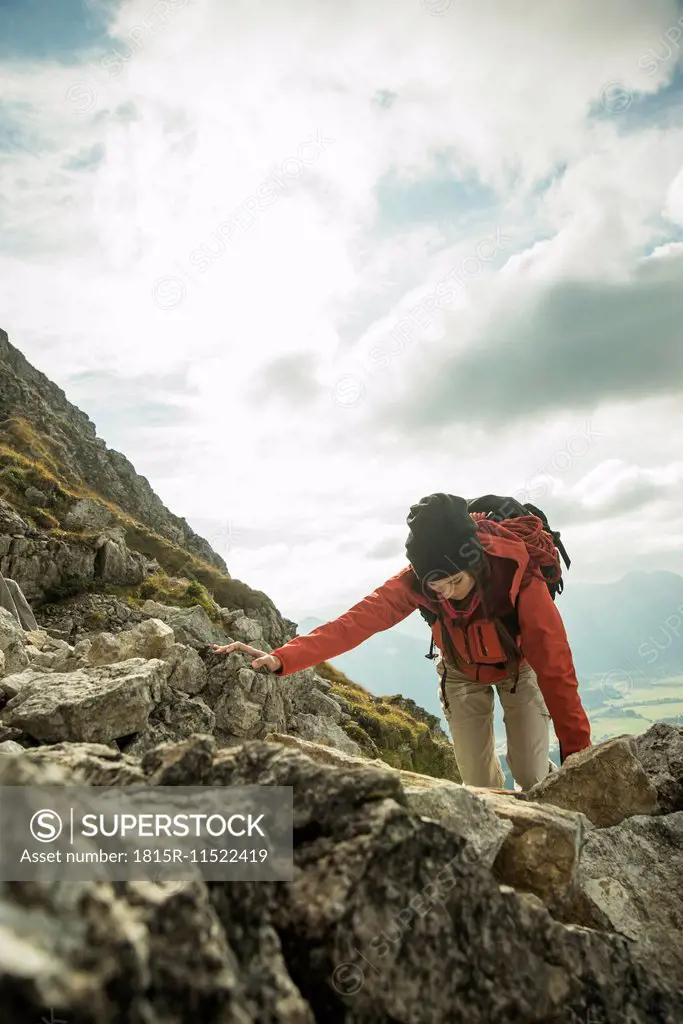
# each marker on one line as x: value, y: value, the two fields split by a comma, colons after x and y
x: 200, y: 118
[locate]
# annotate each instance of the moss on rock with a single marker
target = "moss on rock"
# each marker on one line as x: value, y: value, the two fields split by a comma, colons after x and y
x: 382, y: 728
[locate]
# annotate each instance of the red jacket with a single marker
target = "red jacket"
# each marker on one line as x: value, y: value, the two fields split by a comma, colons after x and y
x: 516, y: 584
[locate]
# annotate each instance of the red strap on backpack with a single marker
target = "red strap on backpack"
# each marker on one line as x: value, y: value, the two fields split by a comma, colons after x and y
x: 543, y: 554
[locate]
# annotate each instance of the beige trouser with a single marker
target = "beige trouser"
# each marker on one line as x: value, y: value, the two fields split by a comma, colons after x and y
x: 12, y: 598
x: 468, y: 707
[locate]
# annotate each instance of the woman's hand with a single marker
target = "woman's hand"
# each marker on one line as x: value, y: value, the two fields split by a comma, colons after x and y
x: 271, y: 662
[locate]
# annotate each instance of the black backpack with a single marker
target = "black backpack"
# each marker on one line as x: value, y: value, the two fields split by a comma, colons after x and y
x: 499, y: 508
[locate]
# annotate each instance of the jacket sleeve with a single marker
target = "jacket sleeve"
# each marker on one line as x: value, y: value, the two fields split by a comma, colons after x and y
x: 546, y: 648
x: 380, y: 610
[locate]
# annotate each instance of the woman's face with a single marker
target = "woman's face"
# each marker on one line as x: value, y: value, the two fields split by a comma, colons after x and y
x: 455, y: 587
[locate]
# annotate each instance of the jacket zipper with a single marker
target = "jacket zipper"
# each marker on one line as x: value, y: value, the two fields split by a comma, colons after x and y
x: 481, y: 641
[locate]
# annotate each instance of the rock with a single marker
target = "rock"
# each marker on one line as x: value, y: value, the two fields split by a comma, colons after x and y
x: 191, y: 626
x: 12, y: 734
x: 660, y: 751
x: 247, y: 704
x: 41, y: 659
x: 318, y: 703
x: 2, y: 664
x: 38, y: 638
x: 606, y: 782
x: 323, y: 730
x: 12, y: 643
x: 329, y: 755
x: 248, y: 630
x: 42, y: 563
x: 629, y: 881
x: 187, y: 670
x: 465, y: 814
x: 150, y: 639
x: 58, y: 634
x: 11, y: 747
x: 176, y: 717
x: 96, y: 704
x: 115, y: 563
x: 541, y: 853
x: 251, y: 707
x: 36, y: 497
x: 386, y: 918
x: 12, y: 684
x: 88, y: 515
x: 82, y: 649
x: 91, y: 764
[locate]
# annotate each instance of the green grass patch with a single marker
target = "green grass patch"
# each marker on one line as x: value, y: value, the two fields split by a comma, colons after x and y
x: 383, y: 730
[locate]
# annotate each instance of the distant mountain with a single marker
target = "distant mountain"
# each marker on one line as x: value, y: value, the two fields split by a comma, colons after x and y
x: 634, y: 624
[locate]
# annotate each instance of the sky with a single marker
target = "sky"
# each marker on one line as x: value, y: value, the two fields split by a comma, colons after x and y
x: 305, y: 263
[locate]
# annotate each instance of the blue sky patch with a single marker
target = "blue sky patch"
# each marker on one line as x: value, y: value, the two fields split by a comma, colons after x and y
x: 442, y: 201
x: 86, y: 160
x: 38, y: 30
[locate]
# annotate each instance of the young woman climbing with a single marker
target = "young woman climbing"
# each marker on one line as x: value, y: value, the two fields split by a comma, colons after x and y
x: 496, y: 626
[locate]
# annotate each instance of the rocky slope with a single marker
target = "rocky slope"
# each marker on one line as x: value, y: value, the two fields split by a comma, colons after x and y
x: 392, y: 916
x: 42, y: 426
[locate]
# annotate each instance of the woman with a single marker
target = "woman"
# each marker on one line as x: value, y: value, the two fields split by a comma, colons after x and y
x: 495, y: 624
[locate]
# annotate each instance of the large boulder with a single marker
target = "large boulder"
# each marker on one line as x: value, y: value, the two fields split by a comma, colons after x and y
x: 187, y: 671
x: 630, y: 882
x: 465, y: 814
x: 660, y: 751
x: 606, y: 782
x: 115, y: 563
x: 247, y: 704
x: 191, y: 626
x: 149, y: 639
x: 541, y: 853
x: 96, y: 704
x: 88, y: 515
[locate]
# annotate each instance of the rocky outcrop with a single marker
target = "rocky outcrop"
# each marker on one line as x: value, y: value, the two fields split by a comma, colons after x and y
x: 387, y: 919
x: 660, y: 751
x: 534, y: 848
x: 29, y: 397
x: 97, y: 704
x: 629, y: 882
x: 150, y: 639
x: 191, y: 626
x: 606, y: 782
x: 85, y: 691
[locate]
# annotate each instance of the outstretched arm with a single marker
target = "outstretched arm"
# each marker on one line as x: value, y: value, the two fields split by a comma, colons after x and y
x: 380, y: 610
